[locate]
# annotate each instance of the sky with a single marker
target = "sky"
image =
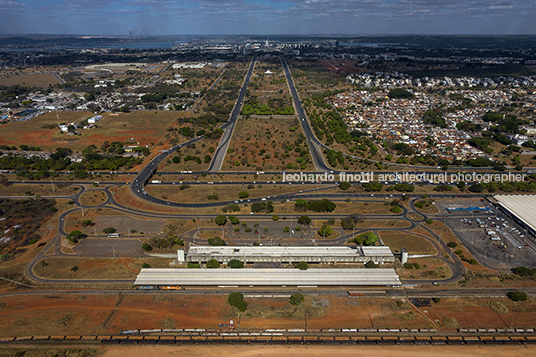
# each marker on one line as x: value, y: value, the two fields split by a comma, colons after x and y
x: 264, y: 17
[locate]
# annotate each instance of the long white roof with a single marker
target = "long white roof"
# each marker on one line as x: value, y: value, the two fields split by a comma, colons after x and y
x: 271, y: 277
x: 334, y: 251
x: 523, y: 206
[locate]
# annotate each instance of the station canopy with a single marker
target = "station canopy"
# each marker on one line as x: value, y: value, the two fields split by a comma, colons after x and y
x: 267, y: 277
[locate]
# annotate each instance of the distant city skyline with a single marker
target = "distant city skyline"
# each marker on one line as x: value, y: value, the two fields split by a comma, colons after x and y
x: 259, y: 17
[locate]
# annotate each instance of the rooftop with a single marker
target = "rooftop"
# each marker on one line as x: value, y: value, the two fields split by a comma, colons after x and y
x: 523, y: 206
x: 268, y: 277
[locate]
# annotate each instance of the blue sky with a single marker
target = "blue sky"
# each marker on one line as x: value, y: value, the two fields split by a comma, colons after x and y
x: 213, y: 17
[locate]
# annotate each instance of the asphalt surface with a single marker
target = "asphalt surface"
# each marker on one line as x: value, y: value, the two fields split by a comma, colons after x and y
x: 221, y: 150
x: 312, y: 141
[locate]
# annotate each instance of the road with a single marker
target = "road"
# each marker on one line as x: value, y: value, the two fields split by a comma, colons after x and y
x: 221, y: 150
x: 312, y: 141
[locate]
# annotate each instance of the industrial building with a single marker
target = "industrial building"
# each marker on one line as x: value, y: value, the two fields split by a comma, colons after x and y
x: 519, y: 207
x: 289, y: 255
x: 267, y: 277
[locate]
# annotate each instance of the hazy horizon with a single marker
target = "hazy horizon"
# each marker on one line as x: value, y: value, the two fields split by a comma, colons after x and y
x: 261, y: 17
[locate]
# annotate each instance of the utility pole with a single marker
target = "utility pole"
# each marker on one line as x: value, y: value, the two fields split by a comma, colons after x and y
x: 113, y: 249
x: 95, y: 231
x: 52, y: 184
x: 82, y: 207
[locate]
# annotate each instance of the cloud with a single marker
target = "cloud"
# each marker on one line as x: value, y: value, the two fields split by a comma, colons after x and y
x: 278, y: 16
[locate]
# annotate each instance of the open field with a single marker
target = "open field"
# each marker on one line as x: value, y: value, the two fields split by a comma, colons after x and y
x: 32, y: 132
x: 141, y: 127
x: 267, y: 144
x: 199, y: 193
x: 96, y: 268
x: 44, y: 189
x: 93, y: 198
x: 425, y: 268
x: 58, y: 314
x: 42, y: 80
x: 413, y: 243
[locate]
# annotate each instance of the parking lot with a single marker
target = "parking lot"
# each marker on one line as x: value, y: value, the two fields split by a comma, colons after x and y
x: 493, y: 241
x: 109, y: 248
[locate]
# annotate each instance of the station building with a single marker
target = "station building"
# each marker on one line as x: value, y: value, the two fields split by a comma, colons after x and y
x: 287, y: 255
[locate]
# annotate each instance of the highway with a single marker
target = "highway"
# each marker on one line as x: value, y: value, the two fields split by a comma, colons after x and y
x: 312, y: 141
x: 221, y: 150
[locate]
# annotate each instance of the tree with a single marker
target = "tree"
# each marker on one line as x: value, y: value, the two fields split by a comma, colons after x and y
x: 275, y: 217
x: 109, y: 230
x: 325, y: 231
x: 304, y: 220
x: 146, y: 247
x: 243, y: 194
x: 75, y: 235
x: 301, y: 265
x: 87, y: 223
x: 237, y: 300
x: 235, y: 263
x: 74, y: 269
x: 213, y: 263
x: 220, y: 220
x: 234, y: 220
x: 216, y: 241
x: 145, y: 265
x: 452, y: 244
x: 345, y: 185
x: 296, y: 299
x: 517, y: 296
x: 429, y: 221
x: 370, y: 264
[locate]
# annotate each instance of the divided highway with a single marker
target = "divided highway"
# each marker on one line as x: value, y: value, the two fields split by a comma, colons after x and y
x: 312, y: 141
x: 219, y: 155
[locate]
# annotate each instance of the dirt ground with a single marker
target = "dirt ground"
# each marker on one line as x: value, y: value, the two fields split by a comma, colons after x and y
x: 320, y: 351
x: 138, y: 127
x: 28, y: 79
x: 55, y: 314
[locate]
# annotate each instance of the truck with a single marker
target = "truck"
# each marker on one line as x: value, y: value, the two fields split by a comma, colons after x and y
x: 156, y: 181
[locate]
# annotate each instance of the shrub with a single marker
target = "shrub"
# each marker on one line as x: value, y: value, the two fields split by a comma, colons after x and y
x: 396, y: 209
x: 243, y: 194
x: 305, y: 220
x: 436, y: 300
x: 517, y: 296
x: 235, y: 263
x: 301, y: 265
x: 370, y: 264
x: 275, y: 217
x: 146, y: 247
x: 74, y: 269
x: 429, y: 221
x: 408, y: 265
x: 296, y: 299
x: 458, y: 252
x: 109, y: 230
x: 145, y: 265
x: 213, y: 263
x: 234, y: 220
x: 345, y: 185
x: 452, y: 244
x: 216, y: 241
x: 193, y: 265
